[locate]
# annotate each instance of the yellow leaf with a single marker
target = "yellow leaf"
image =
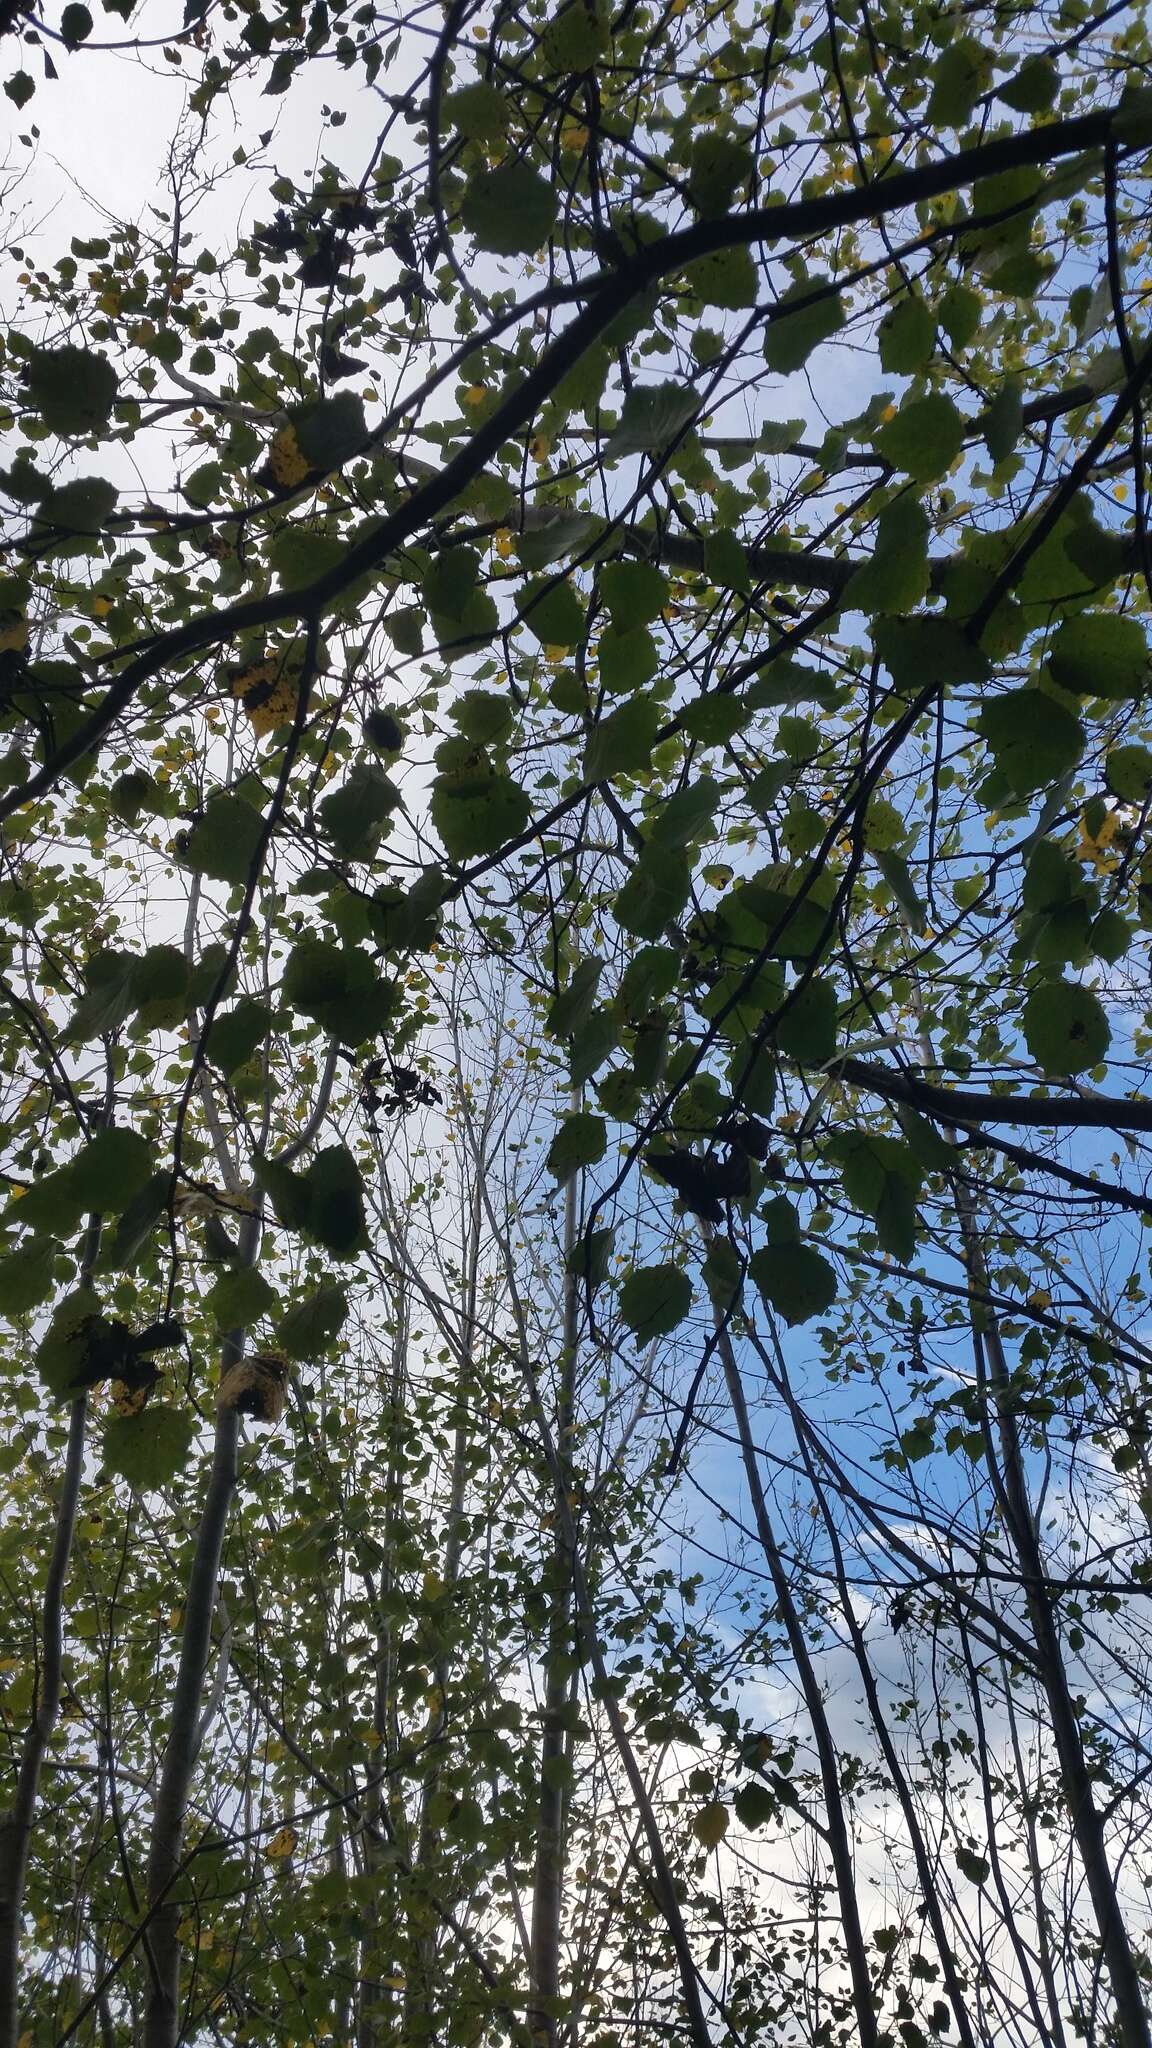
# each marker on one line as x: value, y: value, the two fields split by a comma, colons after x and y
x: 475, y: 394
x: 128, y: 1400
x: 710, y: 1825
x: 101, y: 606
x: 282, y: 1844
x: 267, y: 695
x: 287, y: 462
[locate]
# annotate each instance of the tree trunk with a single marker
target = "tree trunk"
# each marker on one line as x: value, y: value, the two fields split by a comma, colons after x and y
x: 162, y: 2023
x: 548, y: 1880
x: 16, y: 1826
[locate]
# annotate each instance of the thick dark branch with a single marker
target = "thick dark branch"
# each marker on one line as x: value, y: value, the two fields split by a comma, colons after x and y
x: 966, y: 1106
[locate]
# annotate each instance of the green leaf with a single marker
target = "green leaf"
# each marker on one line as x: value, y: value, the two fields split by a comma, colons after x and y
x: 920, y: 651
x: 590, y: 1049
x: 330, y: 431
x: 450, y: 581
x: 20, y: 88
x: 555, y: 534
x: 484, y: 716
x: 924, y: 439
x: 73, y: 389
x: 895, y: 578
x: 1110, y: 936
x: 574, y: 38
x: 341, y: 987
x: 354, y: 817
x: 1033, y: 738
x: 627, y: 659
x: 1065, y: 1028
x: 108, y: 999
x: 960, y: 312
x: 722, y: 1273
x: 571, y: 1009
x: 590, y: 1259
x: 326, y: 1202
x: 510, y: 210
x: 798, y: 738
x: 655, y: 892
x: 235, y: 1034
x: 224, y: 840
x: 581, y: 1140
x: 75, y: 24
x: 1033, y: 88
x: 755, y: 1805
x: 1128, y: 773
x: 480, y: 112
x: 781, y: 1221
x: 553, y: 612
x: 654, y: 1300
x: 897, y: 874
x: 726, y: 560
x: 634, y: 592
x: 120, y: 1253
x: 477, y: 810
x: 725, y: 277
x: 300, y: 556
x: 623, y: 741
x: 1100, y: 654
x: 882, y: 1177
x: 688, y: 813
x: 1003, y: 423
x: 239, y: 1297
x: 161, y: 988
x: 405, y: 629
x: 807, y: 1030
x: 313, y: 1324
x: 807, y: 314
x: 80, y: 1347
x: 794, y: 1279
x: 204, y: 485
x: 717, y: 167
x: 79, y: 507
x: 650, y: 975
x: 976, y: 1868
x: 26, y: 1276
x: 107, y: 1172
x: 752, y: 1079
x: 653, y: 415
x: 959, y: 75
x: 148, y: 1449
x: 906, y: 338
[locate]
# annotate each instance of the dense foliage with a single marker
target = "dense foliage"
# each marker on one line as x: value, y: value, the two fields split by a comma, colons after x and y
x: 574, y: 907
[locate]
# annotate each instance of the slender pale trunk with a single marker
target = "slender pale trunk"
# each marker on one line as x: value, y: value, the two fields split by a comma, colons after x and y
x: 16, y: 1825
x: 166, y: 1848
x: 420, y: 1986
x: 1010, y: 1478
x: 548, y: 1882
x: 376, y: 2014
x: 839, y: 1840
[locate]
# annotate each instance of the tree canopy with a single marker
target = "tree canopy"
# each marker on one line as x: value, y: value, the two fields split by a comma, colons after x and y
x: 575, y: 891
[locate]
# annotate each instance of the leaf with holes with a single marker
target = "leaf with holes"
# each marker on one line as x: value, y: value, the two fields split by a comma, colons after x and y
x: 1065, y: 1028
